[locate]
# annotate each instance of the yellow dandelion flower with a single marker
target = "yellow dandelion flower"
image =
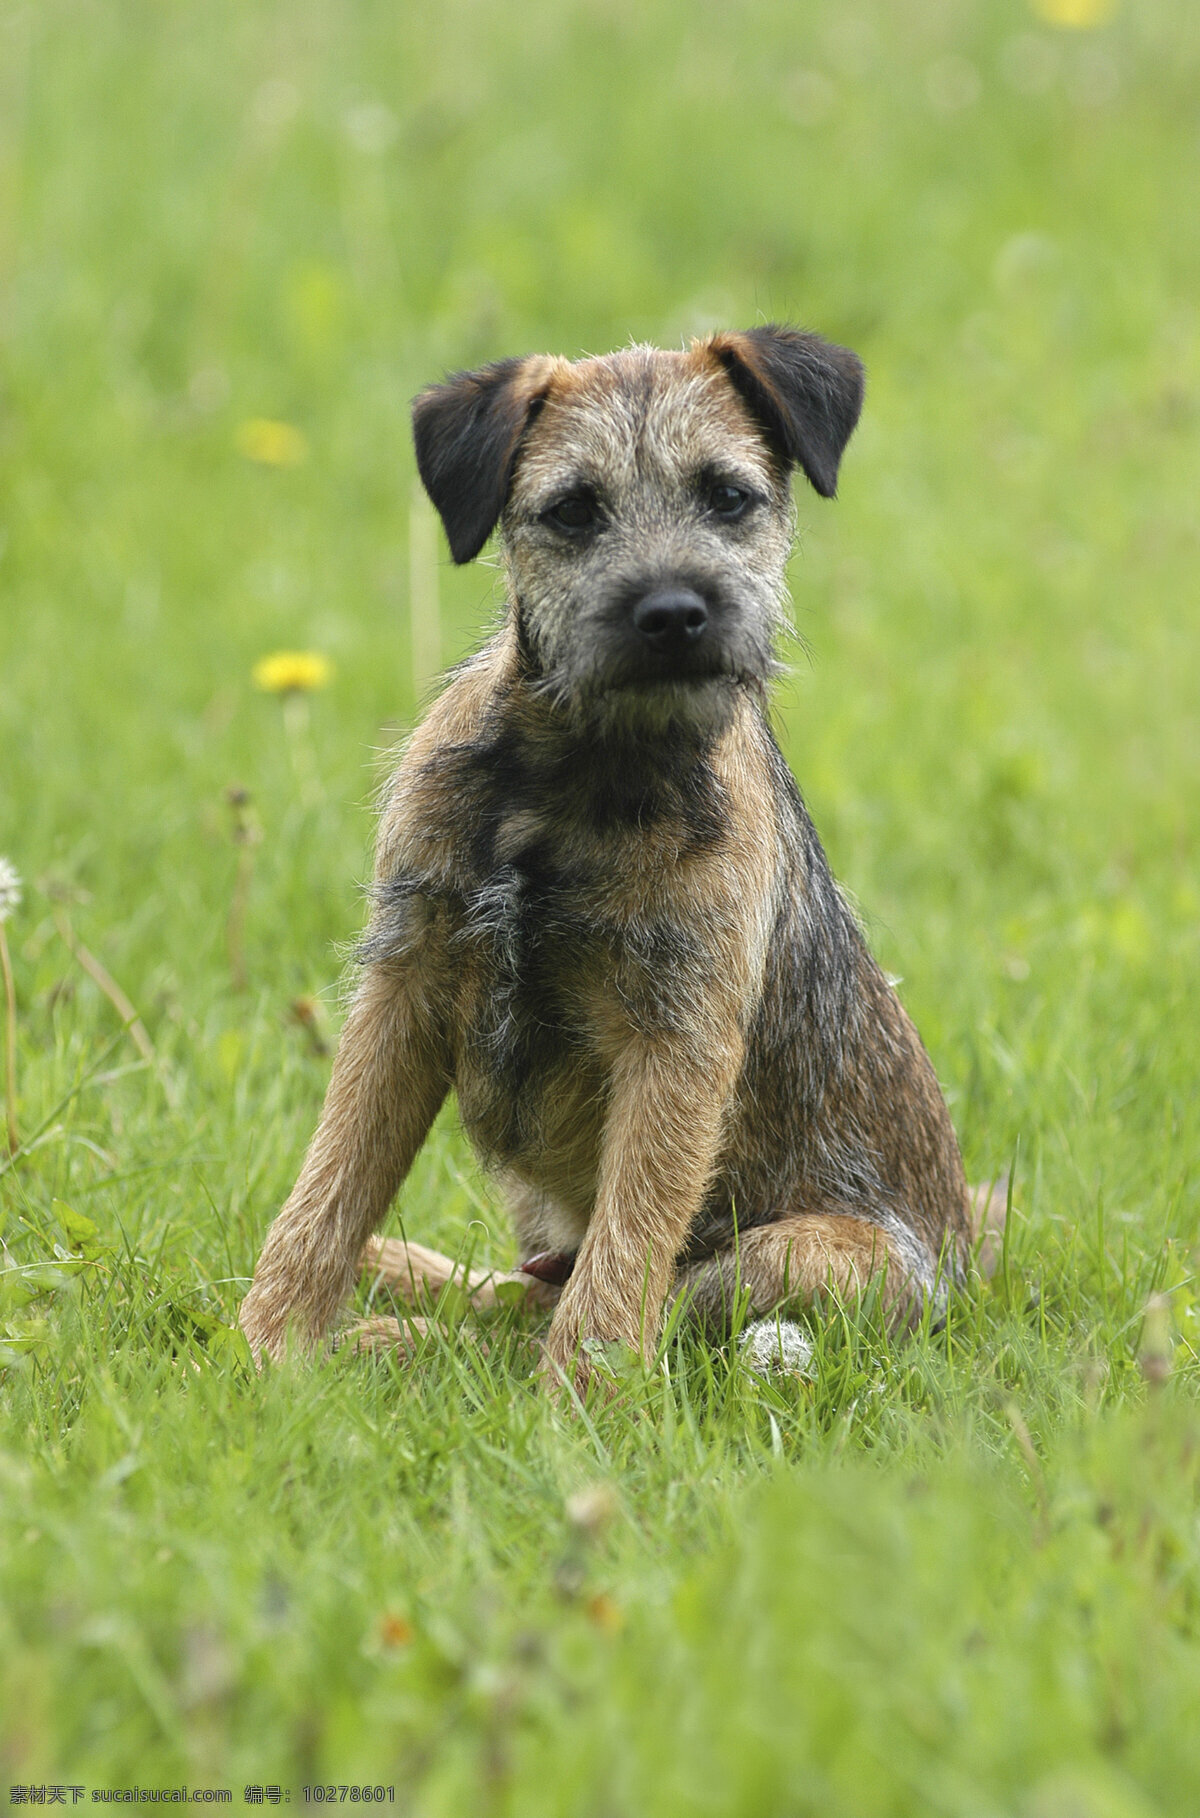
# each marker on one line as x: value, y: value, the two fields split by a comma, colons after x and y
x: 272, y: 443
x: 292, y: 672
x: 1074, y: 15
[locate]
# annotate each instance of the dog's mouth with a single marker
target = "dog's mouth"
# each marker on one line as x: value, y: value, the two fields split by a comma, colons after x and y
x: 664, y: 700
x: 693, y: 676
x: 713, y: 665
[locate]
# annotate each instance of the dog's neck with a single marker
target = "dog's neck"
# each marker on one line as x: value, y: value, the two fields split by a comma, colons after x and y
x: 605, y: 764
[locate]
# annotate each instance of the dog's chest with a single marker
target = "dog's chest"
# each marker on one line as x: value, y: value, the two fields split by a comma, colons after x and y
x: 571, y: 918
x: 526, y: 957
x: 557, y: 970
x: 528, y: 939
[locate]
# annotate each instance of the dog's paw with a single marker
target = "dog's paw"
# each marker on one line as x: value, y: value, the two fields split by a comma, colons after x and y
x: 382, y: 1336
x: 261, y: 1348
x: 275, y: 1333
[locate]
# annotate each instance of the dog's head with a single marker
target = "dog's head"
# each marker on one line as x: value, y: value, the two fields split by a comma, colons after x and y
x: 644, y: 505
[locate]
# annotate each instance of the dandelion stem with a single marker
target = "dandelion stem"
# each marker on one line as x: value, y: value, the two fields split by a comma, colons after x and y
x: 298, y: 727
x: 246, y: 835
x: 10, y: 1046
x: 235, y: 927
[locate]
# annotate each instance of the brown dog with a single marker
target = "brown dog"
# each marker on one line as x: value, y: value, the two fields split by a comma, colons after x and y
x: 602, y: 914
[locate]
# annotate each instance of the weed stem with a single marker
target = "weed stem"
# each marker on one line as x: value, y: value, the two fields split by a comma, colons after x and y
x: 112, y: 991
x: 10, y: 1046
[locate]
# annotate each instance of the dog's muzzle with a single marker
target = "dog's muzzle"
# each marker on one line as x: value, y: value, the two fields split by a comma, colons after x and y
x: 670, y: 633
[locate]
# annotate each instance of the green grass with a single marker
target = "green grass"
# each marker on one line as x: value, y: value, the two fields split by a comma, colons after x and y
x: 959, y: 1575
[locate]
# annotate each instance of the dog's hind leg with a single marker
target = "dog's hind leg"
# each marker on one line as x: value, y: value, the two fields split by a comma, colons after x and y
x: 416, y: 1275
x: 793, y: 1260
x: 413, y: 1273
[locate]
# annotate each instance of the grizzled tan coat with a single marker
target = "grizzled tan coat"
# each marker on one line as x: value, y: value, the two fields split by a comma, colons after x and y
x: 602, y: 914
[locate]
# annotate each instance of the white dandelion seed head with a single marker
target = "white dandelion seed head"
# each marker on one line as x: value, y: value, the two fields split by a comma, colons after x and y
x: 10, y: 889
x: 771, y: 1345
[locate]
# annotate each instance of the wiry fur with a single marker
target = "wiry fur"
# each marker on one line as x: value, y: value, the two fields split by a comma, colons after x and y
x: 602, y: 913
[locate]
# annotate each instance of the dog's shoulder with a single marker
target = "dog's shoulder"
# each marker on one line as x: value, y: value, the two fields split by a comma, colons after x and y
x: 422, y: 814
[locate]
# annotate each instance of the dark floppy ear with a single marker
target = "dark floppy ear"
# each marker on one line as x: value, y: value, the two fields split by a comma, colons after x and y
x: 466, y: 431
x: 805, y: 392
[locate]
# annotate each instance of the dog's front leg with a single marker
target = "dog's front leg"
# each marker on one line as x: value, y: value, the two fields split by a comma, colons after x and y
x: 661, y: 1139
x: 390, y: 1076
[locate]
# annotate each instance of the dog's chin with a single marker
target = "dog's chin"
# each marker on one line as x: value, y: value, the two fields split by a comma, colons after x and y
x: 664, y: 706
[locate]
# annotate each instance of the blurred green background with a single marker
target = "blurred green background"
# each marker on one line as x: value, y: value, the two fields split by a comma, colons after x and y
x: 234, y: 240
x: 215, y: 215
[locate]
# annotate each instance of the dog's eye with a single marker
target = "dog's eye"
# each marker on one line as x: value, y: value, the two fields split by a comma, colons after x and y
x: 574, y: 513
x: 727, y: 501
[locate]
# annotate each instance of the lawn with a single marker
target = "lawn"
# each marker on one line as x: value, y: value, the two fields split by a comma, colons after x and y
x: 955, y: 1575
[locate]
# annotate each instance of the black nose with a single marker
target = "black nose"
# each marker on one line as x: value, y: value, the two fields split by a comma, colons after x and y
x: 670, y: 618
